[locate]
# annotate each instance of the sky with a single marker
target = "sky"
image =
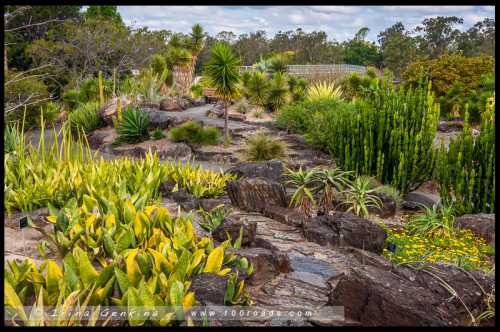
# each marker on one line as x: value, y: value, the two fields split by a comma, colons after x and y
x: 339, y: 22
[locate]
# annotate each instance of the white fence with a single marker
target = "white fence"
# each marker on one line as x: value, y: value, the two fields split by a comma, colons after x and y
x: 305, y: 70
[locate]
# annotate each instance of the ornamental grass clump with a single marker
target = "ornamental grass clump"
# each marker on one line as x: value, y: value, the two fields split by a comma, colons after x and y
x: 262, y: 147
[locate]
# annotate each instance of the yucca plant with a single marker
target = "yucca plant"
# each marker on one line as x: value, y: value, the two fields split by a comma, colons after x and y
x: 303, y: 183
x: 359, y: 197
x: 324, y: 91
x: 134, y: 126
x: 329, y: 184
x: 297, y: 87
x: 436, y: 221
x: 261, y: 147
x: 85, y: 117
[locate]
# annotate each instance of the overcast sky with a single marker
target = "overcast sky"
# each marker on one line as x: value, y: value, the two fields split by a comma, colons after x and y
x: 339, y: 22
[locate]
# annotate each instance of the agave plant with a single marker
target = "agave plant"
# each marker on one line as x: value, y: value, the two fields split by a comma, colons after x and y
x: 359, y: 197
x: 134, y: 126
x: 303, y: 183
x: 329, y: 183
x: 324, y: 91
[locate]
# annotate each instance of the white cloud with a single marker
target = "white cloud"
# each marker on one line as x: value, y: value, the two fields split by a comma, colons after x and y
x: 339, y: 22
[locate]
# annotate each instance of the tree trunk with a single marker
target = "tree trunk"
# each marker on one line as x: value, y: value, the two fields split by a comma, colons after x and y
x: 5, y: 67
x: 226, y: 129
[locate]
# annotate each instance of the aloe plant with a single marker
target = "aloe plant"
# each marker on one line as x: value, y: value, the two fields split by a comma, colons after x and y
x: 359, y: 197
x: 303, y: 183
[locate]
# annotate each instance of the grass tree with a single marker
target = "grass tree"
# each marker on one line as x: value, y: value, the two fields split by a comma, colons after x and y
x: 222, y: 72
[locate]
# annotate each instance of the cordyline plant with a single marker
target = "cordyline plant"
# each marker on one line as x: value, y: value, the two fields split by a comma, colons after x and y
x: 222, y: 72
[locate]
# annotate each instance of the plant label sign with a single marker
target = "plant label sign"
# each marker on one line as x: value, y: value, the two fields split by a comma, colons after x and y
x: 23, y: 222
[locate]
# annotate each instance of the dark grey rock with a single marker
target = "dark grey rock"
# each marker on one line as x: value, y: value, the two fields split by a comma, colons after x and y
x: 254, y: 194
x: 481, y: 224
x: 272, y: 169
x: 342, y: 229
x: 230, y: 228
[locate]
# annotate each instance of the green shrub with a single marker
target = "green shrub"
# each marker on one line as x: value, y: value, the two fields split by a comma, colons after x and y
x: 133, y: 128
x: 466, y: 171
x: 389, y: 135
x: 89, y: 89
x: 85, y: 117
x: 196, y: 90
x: 193, y: 133
x: 457, y: 80
x: 298, y: 117
x: 72, y: 98
x: 50, y: 113
x: 260, y: 147
x: 157, y: 134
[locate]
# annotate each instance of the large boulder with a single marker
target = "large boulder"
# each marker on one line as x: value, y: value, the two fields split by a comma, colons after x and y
x: 158, y: 119
x: 272, y: 169
x: 285, y: 215
x: 180, y: 196
x: 266, y: 263
x: 109, y: 110
x: 375, y: 292
x: 175, y: 151
x: 209, y: 288
x: 387, y: 208
x: 230, y: 229
x: 255, y: 194
x: 170, y: 105
x: 414, y: 200
x: 341, y: 229
x: 482, y: 225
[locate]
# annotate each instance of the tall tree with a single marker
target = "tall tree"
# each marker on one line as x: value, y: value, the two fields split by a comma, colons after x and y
x: 24, y: 24
x: 398, y: 48
x: 438, y: 35
x: 357, y: 51
x: 222, y: 71
x: 479, y: 39
x: 104, y: 12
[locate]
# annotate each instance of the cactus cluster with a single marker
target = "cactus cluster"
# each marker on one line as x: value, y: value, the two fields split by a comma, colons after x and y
x: 466, y: 170
x: 389, y: 135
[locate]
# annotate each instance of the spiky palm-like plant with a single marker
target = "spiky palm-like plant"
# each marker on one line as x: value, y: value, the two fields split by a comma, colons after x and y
x: 257, y: 88
x: 278, y: 91
x: 329, y: 183
x: 359, y: 197
x: 302, y: 181
x: 222, y: 71
x: 133, y: 128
